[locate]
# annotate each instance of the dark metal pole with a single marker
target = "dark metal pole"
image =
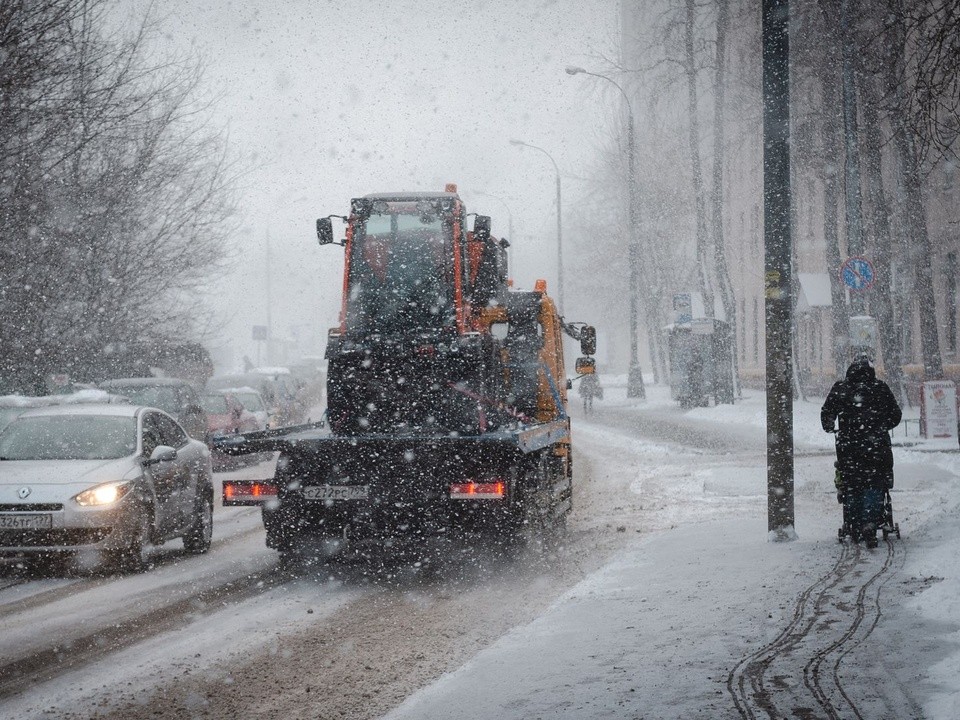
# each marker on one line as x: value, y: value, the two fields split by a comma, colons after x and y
x: 778, y: 267
x: 635, y: 386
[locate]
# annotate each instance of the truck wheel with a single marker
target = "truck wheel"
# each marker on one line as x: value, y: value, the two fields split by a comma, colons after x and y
x: 289, y: 559
x: 531, y: 514
x: 197, y: 539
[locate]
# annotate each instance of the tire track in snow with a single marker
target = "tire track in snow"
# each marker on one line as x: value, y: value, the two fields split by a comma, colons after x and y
x: 78, y: 585
x: 822, y: 610
x: 750, y: 670
x: 45, y: 664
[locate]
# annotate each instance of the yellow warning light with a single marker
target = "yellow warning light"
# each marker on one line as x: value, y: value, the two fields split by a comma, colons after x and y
x: 450, y: 187
x: 540, y: 286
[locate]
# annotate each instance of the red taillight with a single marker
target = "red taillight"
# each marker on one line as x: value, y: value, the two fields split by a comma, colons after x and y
x: 478, y: 490
x: 245, y: 492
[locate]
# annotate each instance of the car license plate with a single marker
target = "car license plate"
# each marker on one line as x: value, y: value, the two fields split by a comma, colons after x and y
x: 336, y: 492
x: 22, y: 521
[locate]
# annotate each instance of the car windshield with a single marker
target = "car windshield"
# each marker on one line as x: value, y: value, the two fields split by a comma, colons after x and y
x: 251, y: 402
x: 69, y: 437
x: 215, y: 404
x: 158, y: 396
x: 401, y: 275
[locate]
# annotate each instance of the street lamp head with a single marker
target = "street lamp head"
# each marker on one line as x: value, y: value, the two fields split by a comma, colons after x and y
x: 517, y: 142
x: 574, y: 70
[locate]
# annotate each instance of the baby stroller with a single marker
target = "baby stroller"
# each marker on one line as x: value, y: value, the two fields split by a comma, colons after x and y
x: 886, y: 527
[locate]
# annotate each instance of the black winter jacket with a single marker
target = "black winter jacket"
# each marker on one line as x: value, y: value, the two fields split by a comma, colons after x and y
x: 867, y: 411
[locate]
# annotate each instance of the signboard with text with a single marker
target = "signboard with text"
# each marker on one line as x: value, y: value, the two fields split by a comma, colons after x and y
x: 938, y: 410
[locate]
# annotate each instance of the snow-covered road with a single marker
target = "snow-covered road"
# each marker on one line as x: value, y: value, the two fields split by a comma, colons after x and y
x: 665, y: 601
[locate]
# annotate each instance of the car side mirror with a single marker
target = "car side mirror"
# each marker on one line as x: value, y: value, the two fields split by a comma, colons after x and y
x: 586, y: 366
x: 588, y: 340
x: 324, y: 231
x: 161, y: 453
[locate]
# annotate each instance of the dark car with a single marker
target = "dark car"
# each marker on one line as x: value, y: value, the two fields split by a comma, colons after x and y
x: 172, y: 395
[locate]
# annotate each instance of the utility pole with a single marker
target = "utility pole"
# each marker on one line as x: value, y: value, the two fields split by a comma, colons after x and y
x: 778, y: 269
x: 556, y: 168
x: 635, y: 386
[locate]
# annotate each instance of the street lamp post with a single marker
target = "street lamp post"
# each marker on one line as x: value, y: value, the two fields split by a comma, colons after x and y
x: 635, y: 386
x: 559, y: 233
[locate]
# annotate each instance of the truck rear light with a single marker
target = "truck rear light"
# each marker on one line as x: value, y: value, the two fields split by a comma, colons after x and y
x: 478, y: 490
x: 248, y: 492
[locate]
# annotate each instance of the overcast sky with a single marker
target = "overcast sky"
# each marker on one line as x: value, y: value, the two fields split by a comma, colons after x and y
x: 333, y: 99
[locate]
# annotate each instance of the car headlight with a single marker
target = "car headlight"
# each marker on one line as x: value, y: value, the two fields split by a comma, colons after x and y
x: 103, y: 494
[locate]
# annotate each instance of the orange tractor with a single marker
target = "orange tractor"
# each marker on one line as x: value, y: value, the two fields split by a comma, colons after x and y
x: 447, y: 392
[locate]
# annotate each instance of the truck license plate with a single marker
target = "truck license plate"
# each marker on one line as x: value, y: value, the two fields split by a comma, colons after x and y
x: 22, y: 521
x: 336, y: 492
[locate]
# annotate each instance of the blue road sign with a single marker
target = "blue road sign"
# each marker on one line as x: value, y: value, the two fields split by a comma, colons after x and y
x: 857, y: 273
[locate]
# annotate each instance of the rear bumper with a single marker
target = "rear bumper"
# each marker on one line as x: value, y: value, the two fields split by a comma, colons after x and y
x: 295, y: 520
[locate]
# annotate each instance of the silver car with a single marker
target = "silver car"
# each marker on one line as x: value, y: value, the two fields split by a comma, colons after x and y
x: 104, y: 481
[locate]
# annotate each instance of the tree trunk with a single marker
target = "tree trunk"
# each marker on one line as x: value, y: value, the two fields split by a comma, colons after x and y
x: 839, y: 314
x: 881, y: 297
x: 703, y: 257
x: 851, y: 167
x: 727, y: 296
x: 908, y: 165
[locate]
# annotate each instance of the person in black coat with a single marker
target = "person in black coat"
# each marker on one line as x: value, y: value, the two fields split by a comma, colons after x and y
x: 867, y: 411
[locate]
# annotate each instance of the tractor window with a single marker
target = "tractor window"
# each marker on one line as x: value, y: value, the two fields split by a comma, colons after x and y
x: 401, y: 273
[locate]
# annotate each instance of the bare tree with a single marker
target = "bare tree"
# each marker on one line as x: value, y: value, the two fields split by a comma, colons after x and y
x: 120, y: 196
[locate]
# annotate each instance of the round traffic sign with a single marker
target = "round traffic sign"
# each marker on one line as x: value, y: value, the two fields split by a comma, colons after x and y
x: 857, y: 273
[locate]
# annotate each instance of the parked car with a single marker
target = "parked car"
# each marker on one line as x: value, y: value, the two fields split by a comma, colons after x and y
x: 227, y: 416
x: 253, y: 403
x: 285, y: 392
x: 172, y: 395
x: 275, y: 387
x: 105, y: 481
x: 12, y: 406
